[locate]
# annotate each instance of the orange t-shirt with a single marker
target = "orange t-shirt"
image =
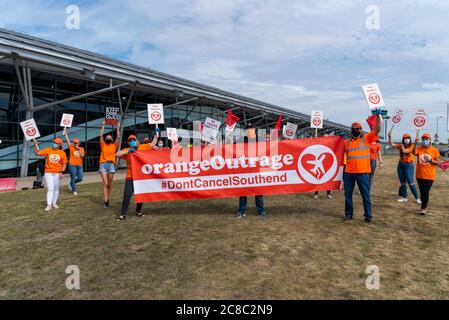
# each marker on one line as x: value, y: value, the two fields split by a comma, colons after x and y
x: 76, y: 156
x: 359, y: 165
x: 54, y: 159
x: 405, y: 156
x: 425, y: 170
x: 108, y: 152
x: 374, y: 147
x: 146, y: 146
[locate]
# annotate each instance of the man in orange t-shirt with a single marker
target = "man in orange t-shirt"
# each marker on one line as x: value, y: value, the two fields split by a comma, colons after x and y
x: 76, y: 155
x: 358, y: 167
x: 107, y: 161
x: 55, y: 164
x: 128, y: 192
x: 426, y: 168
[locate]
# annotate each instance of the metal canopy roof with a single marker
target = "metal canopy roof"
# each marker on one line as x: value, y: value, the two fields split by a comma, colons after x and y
x: 50, y: 56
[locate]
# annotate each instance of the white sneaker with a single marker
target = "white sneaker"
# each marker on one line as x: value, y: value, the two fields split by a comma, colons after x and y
x: 75, y: 193
x: 418, y: 201
x: 55, y: 206
x: 329, y: 196
x: 48, y: 208
x: 315, y: 196
x: 403, y: 200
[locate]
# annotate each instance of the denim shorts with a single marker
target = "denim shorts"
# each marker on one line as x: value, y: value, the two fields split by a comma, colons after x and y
x: 108, y: 167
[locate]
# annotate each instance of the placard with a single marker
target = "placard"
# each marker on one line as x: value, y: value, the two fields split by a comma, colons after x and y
x: 420, y: 119
x: 30, y: 129
x: 172, y: 134
x: 290, y: 130
x: 373, y: 96
x: 316, y: 120
x: 111, y: 117
x: 397, y: 116
x: 210, y: 130
x: 155, y: 113
x: 66, y: 120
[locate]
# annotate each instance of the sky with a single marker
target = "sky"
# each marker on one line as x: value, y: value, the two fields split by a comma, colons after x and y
x: 302, y: 55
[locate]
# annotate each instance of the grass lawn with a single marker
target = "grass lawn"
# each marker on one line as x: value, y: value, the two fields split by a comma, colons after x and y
x: 198, y: 250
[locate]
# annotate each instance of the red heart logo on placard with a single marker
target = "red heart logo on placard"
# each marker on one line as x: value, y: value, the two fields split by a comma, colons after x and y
x: 316, y: 121
x: 317, y: 166
x: 156, y: 116
x: 396, y: 119
x: 31, y: 131
x: 374, y: 98
x: 419, y: 121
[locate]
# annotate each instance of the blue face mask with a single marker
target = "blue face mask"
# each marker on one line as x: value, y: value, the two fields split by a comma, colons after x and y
x: 55, y: 146
x: 133, y: 143
x: 426, y: 143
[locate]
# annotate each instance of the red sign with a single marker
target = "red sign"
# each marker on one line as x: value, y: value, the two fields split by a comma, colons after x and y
x: 233, y: 170
x: 7, y: 184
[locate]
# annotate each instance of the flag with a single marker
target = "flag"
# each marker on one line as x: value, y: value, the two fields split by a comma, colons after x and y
x: 232, y: 118
x: 444, y: 165
x: 277, y: 126
x: 371, y: 122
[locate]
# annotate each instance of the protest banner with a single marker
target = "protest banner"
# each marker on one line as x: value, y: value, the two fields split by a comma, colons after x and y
x: 243, y: 169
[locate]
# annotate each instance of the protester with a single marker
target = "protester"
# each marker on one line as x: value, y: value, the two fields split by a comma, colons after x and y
x: 55, y: 165
x: 405, y: 168
x: 426, y: 168
x: 243, y: 201
x: 107, y: 161
x: 77, y: 154
x: 328, y: 194
x: 358, y: 167
x: 129, y: 186
x: 375, y: 153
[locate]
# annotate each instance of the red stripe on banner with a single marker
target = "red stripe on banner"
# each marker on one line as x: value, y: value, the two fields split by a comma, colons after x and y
x: 219, y: 171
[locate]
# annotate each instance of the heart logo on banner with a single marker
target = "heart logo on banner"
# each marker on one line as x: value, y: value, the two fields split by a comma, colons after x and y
x: 317, y: 166
x: 420, y: 121
x: 374, y: 98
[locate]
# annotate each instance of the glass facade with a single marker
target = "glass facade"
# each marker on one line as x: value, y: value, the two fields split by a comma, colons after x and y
x: 89, y: 113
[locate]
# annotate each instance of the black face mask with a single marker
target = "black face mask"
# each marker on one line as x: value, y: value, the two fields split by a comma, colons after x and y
x: 108, y: 141
x: 355, y: 132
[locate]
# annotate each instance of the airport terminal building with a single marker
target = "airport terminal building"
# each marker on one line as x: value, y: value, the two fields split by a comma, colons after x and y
x: 41, y: 79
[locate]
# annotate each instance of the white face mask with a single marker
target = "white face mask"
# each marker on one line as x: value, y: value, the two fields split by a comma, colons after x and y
x: 406, y: 141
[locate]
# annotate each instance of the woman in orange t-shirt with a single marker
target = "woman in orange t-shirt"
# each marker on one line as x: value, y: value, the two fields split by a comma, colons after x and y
x: 107, y: 161
x: 406, y: 168
x: 55, y: 164
x: 77, y: 154
x: 426, y: 168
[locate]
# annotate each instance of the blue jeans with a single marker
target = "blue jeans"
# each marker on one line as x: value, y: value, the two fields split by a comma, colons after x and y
x: 259, y: 205
x: 362, y: 180
x: 76, y: 175
x: 406, y: 171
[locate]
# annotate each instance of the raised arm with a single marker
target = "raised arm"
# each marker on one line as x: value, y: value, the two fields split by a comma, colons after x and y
x: 36, y: 147
x: 379, y: 155
x: 66, y: 135
x: 117, y: 140
x: 415, y: 144
x: 102, y: 132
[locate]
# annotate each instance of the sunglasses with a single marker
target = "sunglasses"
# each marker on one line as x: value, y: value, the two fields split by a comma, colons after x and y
x: 357, y: 129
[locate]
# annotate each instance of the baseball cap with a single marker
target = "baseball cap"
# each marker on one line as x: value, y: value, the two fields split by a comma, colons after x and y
x: 76, y: 140
x: 356, y: 125
x: 57, y: 140
x: 132, y: 137
x: 426, y: 136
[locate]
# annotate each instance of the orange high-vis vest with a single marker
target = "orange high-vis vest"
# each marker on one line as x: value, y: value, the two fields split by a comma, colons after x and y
x: 357, y: 156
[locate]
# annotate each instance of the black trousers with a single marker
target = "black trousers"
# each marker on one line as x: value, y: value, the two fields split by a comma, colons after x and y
x: 424, y: 190
x: 127, y: 195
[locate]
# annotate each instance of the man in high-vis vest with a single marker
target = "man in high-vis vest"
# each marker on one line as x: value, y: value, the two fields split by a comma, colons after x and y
x: 358, y: 167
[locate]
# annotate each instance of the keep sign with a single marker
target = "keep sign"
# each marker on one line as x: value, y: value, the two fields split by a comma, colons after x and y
x: 373, y: 96
x: 397, y: 116
x: 30, y: 129
x: 155, y: 113
x: 316, y: 120
x: 420, y: 119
